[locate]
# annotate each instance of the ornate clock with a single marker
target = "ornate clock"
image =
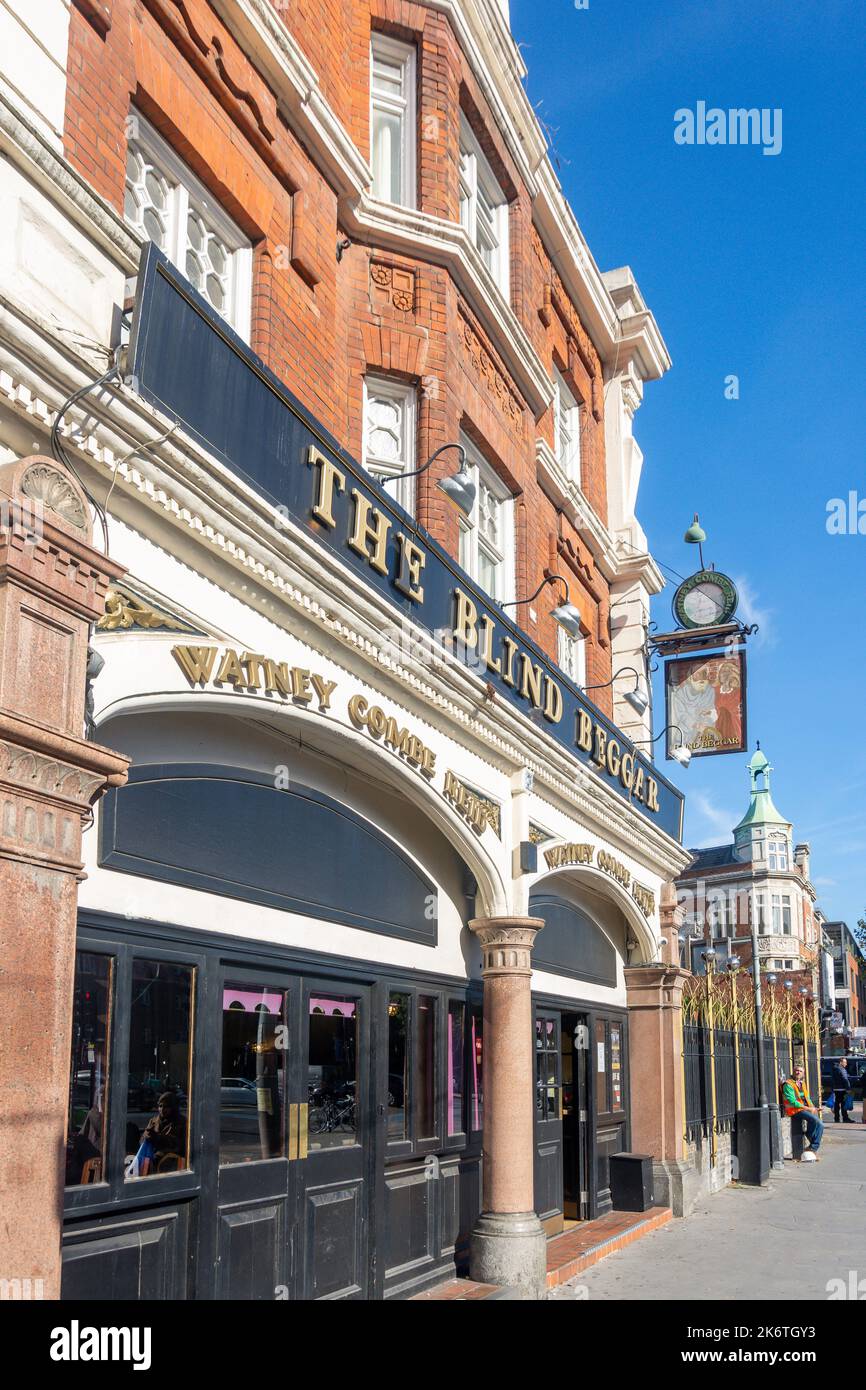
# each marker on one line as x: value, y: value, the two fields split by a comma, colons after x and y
x: 705, y: 599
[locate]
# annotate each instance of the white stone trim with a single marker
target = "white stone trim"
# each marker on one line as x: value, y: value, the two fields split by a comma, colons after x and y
x: 410, y: 233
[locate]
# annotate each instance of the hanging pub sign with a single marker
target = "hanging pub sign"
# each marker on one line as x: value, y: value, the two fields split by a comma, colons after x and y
x: 705, y: 699
x: 184, y: 359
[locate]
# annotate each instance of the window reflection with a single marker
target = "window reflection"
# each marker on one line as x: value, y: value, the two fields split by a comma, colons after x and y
x: 601, y: 1067
x: 426, y: 1067
x: 398, y: 1066
x: 456, y: 1069
x: 332, y: 1072
x: 253, y: 1075
x: 476, y: 1075
x: 157, y: 1104
x: 88, y: 1084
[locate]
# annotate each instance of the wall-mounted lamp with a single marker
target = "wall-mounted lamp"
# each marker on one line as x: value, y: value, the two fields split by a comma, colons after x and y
x: 460, y: 489
x: 637, y: 701
x: 564, y: 613
x: 681, y: 754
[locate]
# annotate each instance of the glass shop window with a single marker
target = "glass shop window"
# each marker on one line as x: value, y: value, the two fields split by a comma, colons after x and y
x: 547, y: 1063
x: 616, y: 1082
x: 253, y: 1073
x: 601, y: 1104
x: 456, y: 1066
x: 332, y: 1072
x: 425, y: 1070
x: 160, y: 1055
x: 398, y: 1067
x: 476, y: 1069
x: 88, y: 1072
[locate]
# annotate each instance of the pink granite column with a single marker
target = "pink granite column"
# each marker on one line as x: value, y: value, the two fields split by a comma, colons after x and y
x: 658, y: 1115
x: 52, y: 587
x: 508, y: 1244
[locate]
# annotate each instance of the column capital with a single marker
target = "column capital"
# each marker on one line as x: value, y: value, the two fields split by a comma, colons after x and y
x: 655, y: 986
x: 506, y: 943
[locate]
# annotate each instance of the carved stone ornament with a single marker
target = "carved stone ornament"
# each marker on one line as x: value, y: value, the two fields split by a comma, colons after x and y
x: 395, y: 284
x: 125, y: 611
x: 52, y: 488
x: 506, y: 943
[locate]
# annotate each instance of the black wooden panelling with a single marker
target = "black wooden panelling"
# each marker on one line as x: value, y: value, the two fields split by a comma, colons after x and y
x: 571, y: 943
x: 548, y: 1178
x: 610, y: 1139
x: 410, y: 1221
x: 230, y: 831
x: 334, y: 1242
x: 138, y: 1257
x: 251, y: 1242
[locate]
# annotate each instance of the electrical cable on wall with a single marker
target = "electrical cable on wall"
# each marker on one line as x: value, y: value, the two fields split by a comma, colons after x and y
x: 60, y: 454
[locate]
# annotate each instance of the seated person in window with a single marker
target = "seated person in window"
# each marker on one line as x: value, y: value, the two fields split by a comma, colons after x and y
x: 86, y: 1144
x: 163, y: 1134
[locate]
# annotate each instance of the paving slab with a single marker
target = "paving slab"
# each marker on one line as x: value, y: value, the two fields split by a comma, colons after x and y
x: 788, y: 1240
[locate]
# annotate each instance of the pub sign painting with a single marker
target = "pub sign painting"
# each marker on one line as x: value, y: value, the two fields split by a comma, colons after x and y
x: 705, y: 699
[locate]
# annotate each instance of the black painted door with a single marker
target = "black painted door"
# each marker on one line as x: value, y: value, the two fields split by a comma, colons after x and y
x: 575, y: 1117
x: 254, y: 1126
x: 548, y: 1115
x: 335, y: 1259
x: 611, y: 1115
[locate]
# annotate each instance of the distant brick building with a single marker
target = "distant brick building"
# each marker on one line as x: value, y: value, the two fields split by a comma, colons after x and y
x: 762, y: 877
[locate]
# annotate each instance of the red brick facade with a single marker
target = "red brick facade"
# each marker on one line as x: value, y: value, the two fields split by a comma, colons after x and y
x: 322, y: 323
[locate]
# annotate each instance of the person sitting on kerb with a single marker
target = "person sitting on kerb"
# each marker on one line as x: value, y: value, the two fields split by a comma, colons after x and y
x: 797, y: 1101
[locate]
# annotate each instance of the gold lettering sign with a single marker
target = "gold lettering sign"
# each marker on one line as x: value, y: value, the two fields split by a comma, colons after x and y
x: 561, y: 855
x: 382, y: 726
x: 645, y: 899
x: 250, y: 671
x: 477, y: 810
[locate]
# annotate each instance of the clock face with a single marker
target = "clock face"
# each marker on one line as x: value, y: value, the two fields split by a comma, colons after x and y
x: 705, y: 599
x: 704, y: 603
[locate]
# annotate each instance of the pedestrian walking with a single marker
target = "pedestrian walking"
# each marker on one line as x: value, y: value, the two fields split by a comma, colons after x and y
x: 841, y: 1091
x: 798, y: 1103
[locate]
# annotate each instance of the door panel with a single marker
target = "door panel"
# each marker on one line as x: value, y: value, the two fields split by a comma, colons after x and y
x: 334, y: 1151
x: 140, y: 1256
x: 548, y: 1119
x: 249, y: 1114
x: 575, y: 1117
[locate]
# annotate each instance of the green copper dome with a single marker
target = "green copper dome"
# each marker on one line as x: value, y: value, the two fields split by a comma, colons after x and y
x: 761, y: 808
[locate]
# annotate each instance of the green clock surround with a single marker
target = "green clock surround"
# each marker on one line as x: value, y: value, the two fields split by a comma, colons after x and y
x: 706, y: 599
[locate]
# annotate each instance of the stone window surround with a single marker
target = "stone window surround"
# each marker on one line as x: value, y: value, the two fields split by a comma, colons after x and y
x: 403, y: 107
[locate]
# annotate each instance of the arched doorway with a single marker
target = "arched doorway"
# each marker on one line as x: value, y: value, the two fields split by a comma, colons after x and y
x: 581, y: 1042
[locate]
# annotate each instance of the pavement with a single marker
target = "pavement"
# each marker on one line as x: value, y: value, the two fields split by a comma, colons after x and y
x: 788, y: 1240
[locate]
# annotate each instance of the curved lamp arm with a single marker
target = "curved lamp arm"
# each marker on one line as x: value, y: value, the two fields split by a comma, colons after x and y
x: 416, y: 473
x: 517, y: 602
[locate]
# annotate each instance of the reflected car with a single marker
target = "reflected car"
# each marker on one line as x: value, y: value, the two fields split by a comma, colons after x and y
x: 236, y: 1090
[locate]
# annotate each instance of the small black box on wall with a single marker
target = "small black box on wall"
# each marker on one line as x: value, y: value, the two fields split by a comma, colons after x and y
x: 631, y: 1182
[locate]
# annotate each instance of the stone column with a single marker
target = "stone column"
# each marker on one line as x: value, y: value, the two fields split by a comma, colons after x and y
x: 52, y: 587
x: 658, y: 1108
x: 508, y: 1245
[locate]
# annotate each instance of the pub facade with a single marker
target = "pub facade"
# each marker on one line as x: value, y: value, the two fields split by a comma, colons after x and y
x: 349, y: 1005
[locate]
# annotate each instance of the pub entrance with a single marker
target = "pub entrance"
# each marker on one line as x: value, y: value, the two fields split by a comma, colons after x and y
x: 562, y: 1123
x: 581, y: 1116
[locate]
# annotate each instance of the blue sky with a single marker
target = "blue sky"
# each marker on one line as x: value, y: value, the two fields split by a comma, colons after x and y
x: 753, y: 266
